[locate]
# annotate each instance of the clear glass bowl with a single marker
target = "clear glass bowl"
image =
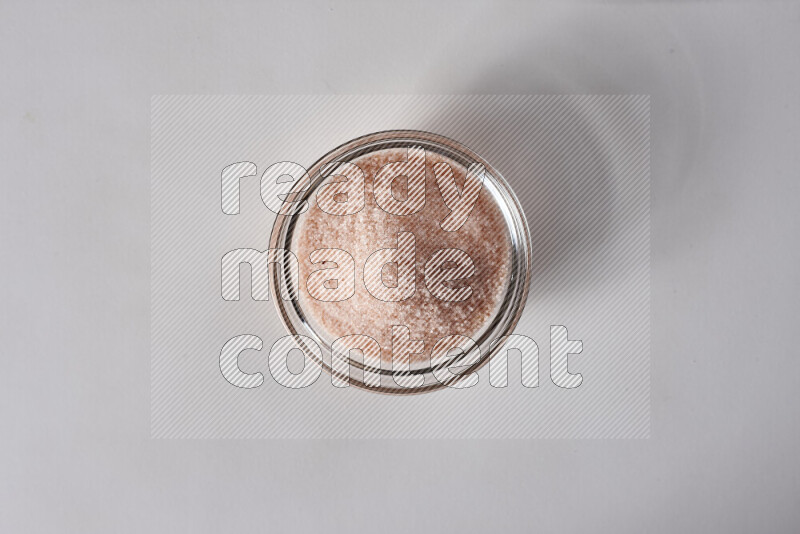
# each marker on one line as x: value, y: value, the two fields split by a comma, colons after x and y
x: 506, y: 315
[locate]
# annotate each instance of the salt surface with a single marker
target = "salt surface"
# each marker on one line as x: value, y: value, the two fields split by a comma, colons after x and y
x: 484, y: 237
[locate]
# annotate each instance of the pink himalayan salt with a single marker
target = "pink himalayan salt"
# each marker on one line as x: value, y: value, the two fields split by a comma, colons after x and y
x: 484, y: 237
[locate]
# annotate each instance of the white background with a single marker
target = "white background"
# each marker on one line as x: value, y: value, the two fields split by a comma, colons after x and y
x: 74, y: 393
